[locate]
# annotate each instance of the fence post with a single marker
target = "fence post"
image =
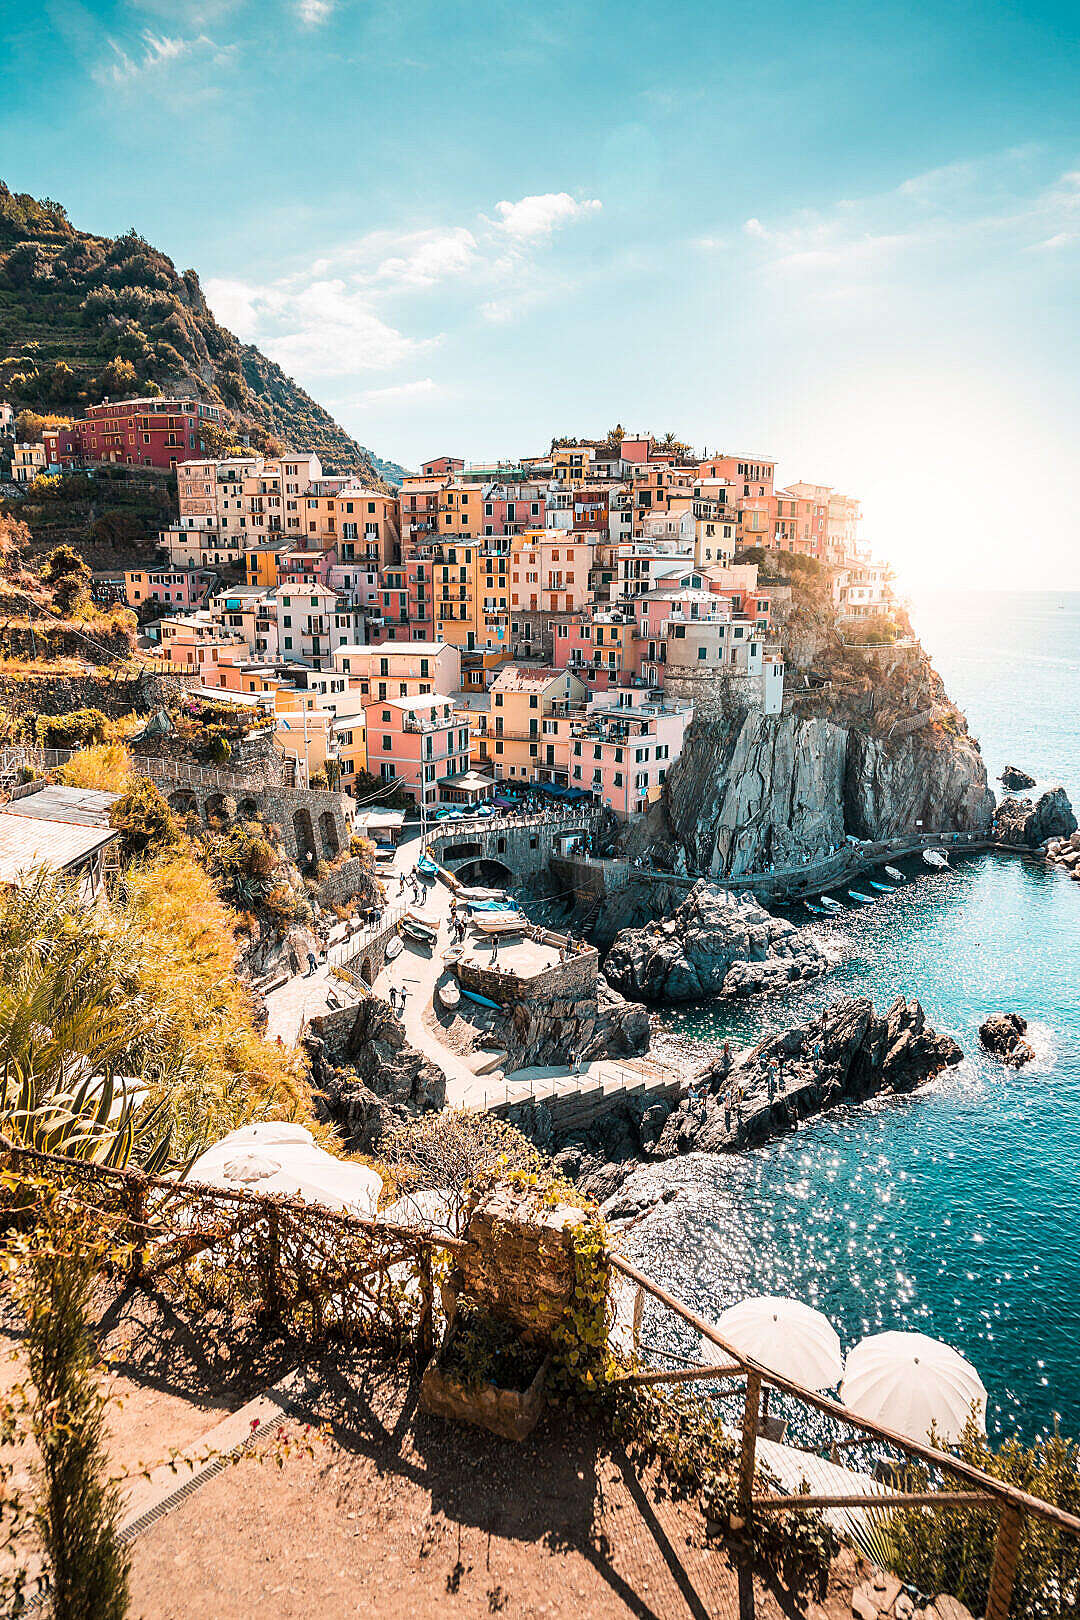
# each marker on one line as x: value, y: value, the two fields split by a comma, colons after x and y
x: 1006, y: 1553
x: 137, y: 1218
x: 427, y: 1300
x: 274, y: 1291
x: 749, y: 1439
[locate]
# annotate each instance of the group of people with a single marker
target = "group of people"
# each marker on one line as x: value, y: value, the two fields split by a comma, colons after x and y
x: 457, y: 925
x: 411, y: 883
x: 397, y: 1000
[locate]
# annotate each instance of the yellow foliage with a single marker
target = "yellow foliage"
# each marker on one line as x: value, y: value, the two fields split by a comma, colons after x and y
x: 103, y: 765
x: 231, y: 1075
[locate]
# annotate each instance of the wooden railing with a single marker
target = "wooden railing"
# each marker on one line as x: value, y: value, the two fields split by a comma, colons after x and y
x: 980, y: 1491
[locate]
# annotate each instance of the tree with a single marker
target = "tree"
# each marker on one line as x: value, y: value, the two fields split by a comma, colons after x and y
x: 145, y: 822
x: 29, y: 426
x: 118, y: 377
x: 69, y: 576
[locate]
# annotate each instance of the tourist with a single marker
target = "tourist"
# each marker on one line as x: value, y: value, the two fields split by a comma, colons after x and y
x: 313, y: 966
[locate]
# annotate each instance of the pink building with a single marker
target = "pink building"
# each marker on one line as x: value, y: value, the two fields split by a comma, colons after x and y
x: 177, y: 587
x: 622, y: 751
x: 416, y: 743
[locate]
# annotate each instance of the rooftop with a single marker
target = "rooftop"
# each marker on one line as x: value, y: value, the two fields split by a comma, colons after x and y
x: 55, y: 827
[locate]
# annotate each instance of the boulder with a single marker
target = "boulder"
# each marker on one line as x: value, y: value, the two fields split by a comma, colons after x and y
x: 1003, y: 1036
x: 845, y: 1055
x: 1024, y: 825
x: 1014, y: 780
x: 713, y: 944
x: 367, y: 1077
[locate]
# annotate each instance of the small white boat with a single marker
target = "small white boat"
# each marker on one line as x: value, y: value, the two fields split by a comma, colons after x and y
x: 453, y: 955
x: 448, y: 995
x: 895, y: 873
x: 829, y: 904
x: 418, y: 929
x: 936, y: 858
x: 393, y: 947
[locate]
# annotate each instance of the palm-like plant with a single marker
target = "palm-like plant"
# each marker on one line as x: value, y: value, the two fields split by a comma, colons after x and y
x: 79, y: 1045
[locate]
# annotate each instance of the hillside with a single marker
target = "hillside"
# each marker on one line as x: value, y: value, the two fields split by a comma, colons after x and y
x: 84, y: 316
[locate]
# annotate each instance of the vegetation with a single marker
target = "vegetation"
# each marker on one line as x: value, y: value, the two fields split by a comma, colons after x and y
x: 459, y: 1149
x: 484, y: 1350
x: 79, y: 1511
x: 954, y: 1552
x: 242, y: 861
x: 145, y: 822
x: 79, y: 728
x: 78, y: 1044
x: 83, y: 316
x: 103, y: 766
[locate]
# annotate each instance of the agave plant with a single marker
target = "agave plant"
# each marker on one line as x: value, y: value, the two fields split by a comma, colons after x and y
x: 77, y: 1040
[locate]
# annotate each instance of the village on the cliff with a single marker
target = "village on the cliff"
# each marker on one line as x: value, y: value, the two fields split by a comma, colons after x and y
x: 552, y: 623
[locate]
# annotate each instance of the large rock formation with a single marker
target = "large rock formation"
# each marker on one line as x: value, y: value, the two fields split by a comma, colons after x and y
x: 712, y: 945
x: 1025, y: 825
x: 560, y: 1030
x: 846, y: 1054
x: 1003, y: 1036
x: 367, y: 1077
x: 872, y: 756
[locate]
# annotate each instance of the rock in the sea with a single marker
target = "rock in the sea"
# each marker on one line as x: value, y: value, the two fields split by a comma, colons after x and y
x: 846, y: 1054
x: 1003, y: 1036
x: 1014, y: 780
x: 711, y: 945
x: 1025, y: 825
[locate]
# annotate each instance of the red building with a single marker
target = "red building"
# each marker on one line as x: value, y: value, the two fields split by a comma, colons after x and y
x: 144, y: 432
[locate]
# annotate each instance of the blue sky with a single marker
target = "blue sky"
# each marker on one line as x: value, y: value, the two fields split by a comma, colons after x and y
x: 846, y: 237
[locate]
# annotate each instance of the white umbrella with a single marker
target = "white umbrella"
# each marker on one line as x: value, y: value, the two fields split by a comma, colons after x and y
x: 785, y: 1335
x: 276, y: 1157
x: 909, y: 1382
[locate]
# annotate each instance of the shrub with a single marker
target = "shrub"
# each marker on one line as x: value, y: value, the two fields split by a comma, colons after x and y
x: 457, y: 1148
x: 103, y: 766
x: 954, y: 1552
x: 78, y: 729
x: 144, y: 819
x: 80, y: 1509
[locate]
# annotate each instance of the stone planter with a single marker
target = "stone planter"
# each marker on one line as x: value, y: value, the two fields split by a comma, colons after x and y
x: 510, y: 1413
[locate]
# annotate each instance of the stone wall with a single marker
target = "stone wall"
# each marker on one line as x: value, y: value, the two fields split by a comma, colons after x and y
x: 518, y: 1260
x: 115, y: 695
x: 573, y: 980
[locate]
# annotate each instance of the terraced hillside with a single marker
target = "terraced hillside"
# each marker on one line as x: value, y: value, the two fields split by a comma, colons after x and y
x: 84, y: 316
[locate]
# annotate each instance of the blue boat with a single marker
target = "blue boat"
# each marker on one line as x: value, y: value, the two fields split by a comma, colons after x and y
x: 885, y: 888
x: 816, y: 911
x: 481, y: 1001
x: 863, y: 899
x: 426, y: 867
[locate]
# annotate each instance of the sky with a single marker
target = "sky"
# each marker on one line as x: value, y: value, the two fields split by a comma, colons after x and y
x: 844, y: 237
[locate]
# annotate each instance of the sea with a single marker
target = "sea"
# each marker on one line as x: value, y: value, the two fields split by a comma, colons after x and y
x: 956, y: 1211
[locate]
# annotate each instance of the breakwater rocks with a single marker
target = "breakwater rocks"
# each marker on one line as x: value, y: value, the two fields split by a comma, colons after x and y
x: 1014, y: 780
x: 713, y: 944
x: 1065, y: 852
x: 846, y: 1055
x: 1003, y: 1036
x: 1024, y: 825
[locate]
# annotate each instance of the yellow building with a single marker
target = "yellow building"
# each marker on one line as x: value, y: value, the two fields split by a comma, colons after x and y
x: 262, y: 563
x: 517, y: 737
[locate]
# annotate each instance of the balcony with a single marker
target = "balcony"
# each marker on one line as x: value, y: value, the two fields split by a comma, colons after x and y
x: 425, y: 726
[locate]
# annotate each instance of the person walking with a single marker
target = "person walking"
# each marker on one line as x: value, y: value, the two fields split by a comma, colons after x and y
x: 313, y: 966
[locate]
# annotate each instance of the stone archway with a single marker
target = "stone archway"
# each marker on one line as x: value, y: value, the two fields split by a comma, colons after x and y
x: 248, y: 809
x: 305, y: 834
x: 365, y: 971
x: 216, y: 808
x: 328, y: 834
x: 184, y: 802
x: 484, y: 873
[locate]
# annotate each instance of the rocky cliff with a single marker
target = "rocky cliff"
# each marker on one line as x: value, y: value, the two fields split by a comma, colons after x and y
x: 877, y: 751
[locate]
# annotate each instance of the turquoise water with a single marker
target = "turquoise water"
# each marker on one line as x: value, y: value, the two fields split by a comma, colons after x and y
x: 955, y: 1212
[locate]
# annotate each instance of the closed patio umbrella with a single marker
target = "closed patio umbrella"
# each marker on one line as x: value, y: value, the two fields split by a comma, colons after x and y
x: 910, y: 1382
x: 278, y: 1157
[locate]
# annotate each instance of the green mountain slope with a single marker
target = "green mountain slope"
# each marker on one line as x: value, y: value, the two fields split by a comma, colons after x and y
x: 85, y: 316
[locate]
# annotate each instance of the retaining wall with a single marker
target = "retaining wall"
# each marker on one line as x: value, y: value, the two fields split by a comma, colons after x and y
x: 574, y: 980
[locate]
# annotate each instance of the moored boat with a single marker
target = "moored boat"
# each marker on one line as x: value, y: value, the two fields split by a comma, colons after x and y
x: 393, y: 947
x: 501, y: 922
x: 936, y: 858
x: 448, y: 995
x: 895, y: 873
x: 827, y: 903
x: 863, y: 899
x: 418, y: 929
x: 884, y: 888
x: 481, y: 1001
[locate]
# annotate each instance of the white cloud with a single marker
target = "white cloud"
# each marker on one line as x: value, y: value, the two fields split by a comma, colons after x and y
x: 428, y: 257
x: 157, y: 51
x: 313, y: 13
x: 422, y: 388
x: 534, y: 217
x: 324, y: 329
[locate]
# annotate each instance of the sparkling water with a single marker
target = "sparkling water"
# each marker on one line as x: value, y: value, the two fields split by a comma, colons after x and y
x: 955, y: 1211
